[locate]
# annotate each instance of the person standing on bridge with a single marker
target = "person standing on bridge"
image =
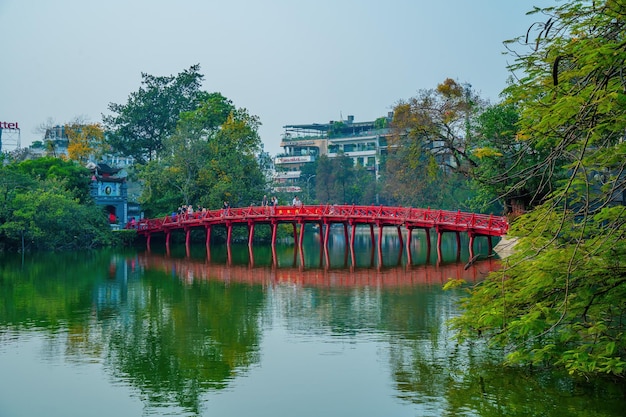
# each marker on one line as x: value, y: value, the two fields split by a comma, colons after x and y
x: 296, y: 202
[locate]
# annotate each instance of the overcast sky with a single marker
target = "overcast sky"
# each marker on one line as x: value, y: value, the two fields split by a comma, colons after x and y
x: 286, y: 61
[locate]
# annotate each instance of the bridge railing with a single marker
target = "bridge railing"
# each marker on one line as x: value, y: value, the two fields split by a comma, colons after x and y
x: 407, y: 216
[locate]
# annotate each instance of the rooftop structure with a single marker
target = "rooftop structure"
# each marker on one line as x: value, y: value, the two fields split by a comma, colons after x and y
x: 364, y: 142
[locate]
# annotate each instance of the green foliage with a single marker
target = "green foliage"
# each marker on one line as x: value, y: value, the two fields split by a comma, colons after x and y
x: 140, y: 127
x: 125, y: 238
x: 414, y: 178
x: 47, y: 217
x: 210, y: 158
x: 40, y: 211
x: 339, y: 181
x: 560, y: 300
x: 429, y: 162
x: 75, y: 176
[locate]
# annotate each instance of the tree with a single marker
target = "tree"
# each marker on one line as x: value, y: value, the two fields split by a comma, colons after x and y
x: 439, y: 122
x: 560, y: 301
x: 324, y: 180
x: 210, y: 158
x: 430, y: 158
x: 139, y: 127
x: 75, y: 176
x: 39, y: 209
x: 85, y: 140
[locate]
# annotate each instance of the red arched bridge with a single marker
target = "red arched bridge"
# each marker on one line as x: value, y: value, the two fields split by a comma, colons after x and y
x: 326, y: 215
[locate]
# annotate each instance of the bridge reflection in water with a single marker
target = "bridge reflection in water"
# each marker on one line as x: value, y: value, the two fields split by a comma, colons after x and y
x: 190, y: 270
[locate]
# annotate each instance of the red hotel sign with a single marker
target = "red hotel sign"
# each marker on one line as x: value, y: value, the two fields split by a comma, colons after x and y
x: 9, y: 125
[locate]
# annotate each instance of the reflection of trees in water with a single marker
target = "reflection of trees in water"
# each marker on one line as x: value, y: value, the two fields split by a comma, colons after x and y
x: 428, y: 367
x: 171, y: 340
x: 449, y: 380
x: 436, y: 373
x: 182, y: 340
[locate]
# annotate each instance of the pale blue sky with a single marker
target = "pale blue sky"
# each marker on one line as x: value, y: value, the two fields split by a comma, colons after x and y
x: 286, y: 61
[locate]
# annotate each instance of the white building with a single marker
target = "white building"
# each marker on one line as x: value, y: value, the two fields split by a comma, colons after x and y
x: 364, y: 142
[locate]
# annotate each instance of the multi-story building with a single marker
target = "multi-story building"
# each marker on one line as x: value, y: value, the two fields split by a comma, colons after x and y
x: 364, y: 142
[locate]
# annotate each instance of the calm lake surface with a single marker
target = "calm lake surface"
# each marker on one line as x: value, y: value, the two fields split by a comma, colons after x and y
x: 131, y: 333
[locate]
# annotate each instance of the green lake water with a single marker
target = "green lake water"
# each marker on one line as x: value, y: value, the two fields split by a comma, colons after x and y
x: 186, y: 333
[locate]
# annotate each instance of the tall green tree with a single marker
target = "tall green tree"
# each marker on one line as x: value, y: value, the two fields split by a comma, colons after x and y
x: 150, y: 115
x: 209, y: 159
x: 561, y: 299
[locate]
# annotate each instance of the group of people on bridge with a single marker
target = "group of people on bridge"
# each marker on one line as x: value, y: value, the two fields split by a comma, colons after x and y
x: 187, y: 211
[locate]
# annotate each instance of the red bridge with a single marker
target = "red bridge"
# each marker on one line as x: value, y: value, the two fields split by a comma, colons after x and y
x: 326, y: 215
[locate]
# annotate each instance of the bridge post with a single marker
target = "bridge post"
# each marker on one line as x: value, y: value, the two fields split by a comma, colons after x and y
x: 471, y: 244
x: 208, y: 236
x: 250, y: 233
x: 229, y: 233
x: 325, y: 240
x: 380, y: 245
x: 274, y: 224
x: 301, y: 236
x: 400, y: 236
x: 351, y: 243
x: 167, y: 240
x: 409, y: 255
x: 439, y: 239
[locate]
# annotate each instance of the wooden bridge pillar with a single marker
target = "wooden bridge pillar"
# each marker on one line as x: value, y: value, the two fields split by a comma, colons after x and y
x: 439, y: 239
x: 274, y: 257
x: 352, y: 237
x: 148, y: 241
x: 250, y: 233
x: 167, y: 239
x: 229, y: 233
x: 380, y: 245
x: 409, y: 255
x: 326, y: 254
x: 274, y: 225
x: 301, y: 236
x: 471, y: 244
x: 187, y: 236
x: 208, y: 237
x: 251, y: 256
